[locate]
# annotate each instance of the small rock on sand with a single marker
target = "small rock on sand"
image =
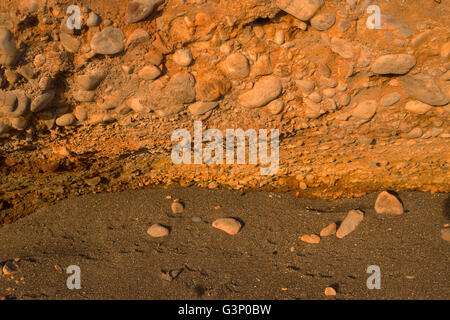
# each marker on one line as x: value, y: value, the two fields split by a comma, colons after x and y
x: 445, y: 234
x: 388, y: 203
x: 353, y: 219
x: 10, y: 268
x: 328, y: 230
x: 310, y: 238
x: 330, y: 292
x: 228, y: 225
x: 157, y: 231
x: 177, y: 207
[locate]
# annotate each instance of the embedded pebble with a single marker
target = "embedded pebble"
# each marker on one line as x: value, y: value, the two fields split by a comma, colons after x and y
x: 276, y: 106
x: 89, y: 81
x: 158, y: 231
x: 80, y: 113
x: 65, y: 120
x: 181, y: 88
x: 365, y: 110
x: 41, y: 102
x: 236, y: 66
x: 424, y: 89
x: 394, y: 64
x: 306, y: 86
x: 93, y: 20
x: 84, y: 96
x: 351, y: 221
x: 323, y: 22
x: 279, y: 37
x: 109, y: 41
x: 301, y: 9
x: 342, y: 47
x: 417, y: 107
x: 139, y: 10
x: 183, y: 57
x: 264, y: 91
x: 415, y: 133
x: 45, y: 83
x: 228, y: 225
x: 70, y: 43
x: 201, y: 107
x: 8, y: 50
x: 150, y: 72
x: 388, y: 203
x: 390, y: 99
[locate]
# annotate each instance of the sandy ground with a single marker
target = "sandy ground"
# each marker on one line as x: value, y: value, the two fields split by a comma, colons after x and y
x: 105, y: 235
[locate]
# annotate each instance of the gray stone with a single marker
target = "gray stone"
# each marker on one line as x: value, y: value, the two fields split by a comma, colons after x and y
x: 84, y: 96
x: 150, y: 72
x: 323, y: 22
x: 390, y: 99
x: 301, y: 9
x: 65, y: 120
x: 42, y: 102
x: 109, y: 41
x: 343, y: 48
x: 22, y: 106
x: 139, y: 10
x: 423, y: 88
x: 89, y: 81
x: 93, y: 20
x: 8, y: 101
x: 8, y: 50
x: 394, y: 64
x: 181, y: 89
x: 70, y: 43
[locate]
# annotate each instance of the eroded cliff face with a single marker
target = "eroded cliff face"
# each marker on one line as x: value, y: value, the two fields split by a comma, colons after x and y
x: 358, y: 108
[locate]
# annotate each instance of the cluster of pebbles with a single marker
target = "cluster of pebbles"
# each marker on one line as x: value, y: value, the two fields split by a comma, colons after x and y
x: 268, y: 69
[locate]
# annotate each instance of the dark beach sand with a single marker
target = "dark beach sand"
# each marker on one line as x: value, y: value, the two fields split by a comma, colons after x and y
x: 105, y: 235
